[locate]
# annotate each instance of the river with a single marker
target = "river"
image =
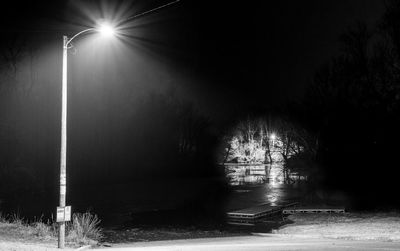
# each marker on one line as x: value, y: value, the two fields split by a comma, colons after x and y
x: 249, y: 185
x: 263, y: 184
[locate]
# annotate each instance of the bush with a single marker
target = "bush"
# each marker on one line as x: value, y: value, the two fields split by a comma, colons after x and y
x: 84, y: 229
x: 43, y: 230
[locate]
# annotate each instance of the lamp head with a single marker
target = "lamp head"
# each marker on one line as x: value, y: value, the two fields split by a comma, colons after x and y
x: 106, y: 30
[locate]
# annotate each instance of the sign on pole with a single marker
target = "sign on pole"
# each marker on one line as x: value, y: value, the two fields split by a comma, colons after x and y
x: 63, y: 214
x: 60, y: 214
x: 67, y: 213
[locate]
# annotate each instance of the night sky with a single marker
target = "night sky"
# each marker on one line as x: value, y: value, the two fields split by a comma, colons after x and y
x: 228, y: 54
x: 267, y: 53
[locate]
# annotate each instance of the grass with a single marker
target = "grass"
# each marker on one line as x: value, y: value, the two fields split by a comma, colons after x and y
x: 353, y: 226
x: 3, y: 218
x: 83, y: 230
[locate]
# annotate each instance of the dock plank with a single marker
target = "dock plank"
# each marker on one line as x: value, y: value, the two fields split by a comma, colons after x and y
x: 309, y: 209
x: 258, y: 211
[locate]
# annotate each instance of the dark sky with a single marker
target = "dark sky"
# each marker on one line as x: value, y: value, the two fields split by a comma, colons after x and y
x: 267, y: 52
x: 220, y: 53
x: 246, y: 54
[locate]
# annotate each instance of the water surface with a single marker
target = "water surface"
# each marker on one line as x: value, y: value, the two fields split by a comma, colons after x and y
x: 263, y: 184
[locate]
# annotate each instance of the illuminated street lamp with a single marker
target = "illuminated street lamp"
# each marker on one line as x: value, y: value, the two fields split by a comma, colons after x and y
x: 107, y: 31
x: 272, y: 137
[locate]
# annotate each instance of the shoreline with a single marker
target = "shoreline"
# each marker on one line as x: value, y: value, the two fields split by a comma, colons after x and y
x: 180, y: 224
x: 375, y: 226
x: 381, y: 225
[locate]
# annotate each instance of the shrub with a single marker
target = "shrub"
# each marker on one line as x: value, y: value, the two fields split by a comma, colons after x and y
x: 42, y: 230
x: 84, y: 229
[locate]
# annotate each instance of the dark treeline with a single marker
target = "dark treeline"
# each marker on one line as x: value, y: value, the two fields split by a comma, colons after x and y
x: 353, y: 107
x: 351, y: 111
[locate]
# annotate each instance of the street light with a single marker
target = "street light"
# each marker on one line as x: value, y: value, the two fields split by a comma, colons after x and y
x: 106, y: 30
x: 273, y: 137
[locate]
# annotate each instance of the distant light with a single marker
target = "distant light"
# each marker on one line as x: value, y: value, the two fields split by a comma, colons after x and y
x: 106, y: 30
x: 272, y: 136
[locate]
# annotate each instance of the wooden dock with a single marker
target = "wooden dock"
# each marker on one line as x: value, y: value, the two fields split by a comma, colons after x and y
x: 315, y: 209
x: 252, y: 215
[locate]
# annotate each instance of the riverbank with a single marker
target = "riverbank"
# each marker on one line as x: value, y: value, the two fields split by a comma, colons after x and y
x: 160, y: 234
x: 376, y: 226
x: 351, y: 226
x: 174, y: 224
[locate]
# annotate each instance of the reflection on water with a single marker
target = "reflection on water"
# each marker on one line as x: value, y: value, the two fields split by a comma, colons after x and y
x: 255, y: 174
x: 259, y: 184
x: 243, y: 175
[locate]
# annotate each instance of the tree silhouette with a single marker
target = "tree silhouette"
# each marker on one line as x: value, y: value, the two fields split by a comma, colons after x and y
x: 353, y: 105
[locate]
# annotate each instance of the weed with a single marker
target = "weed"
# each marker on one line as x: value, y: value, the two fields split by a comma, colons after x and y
x: 42, y: 230
x: 84, y: 229
x: 16, y: 219
x: 3, y: 218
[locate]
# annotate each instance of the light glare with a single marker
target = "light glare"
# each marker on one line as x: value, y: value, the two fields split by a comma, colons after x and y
x: 106, y: 30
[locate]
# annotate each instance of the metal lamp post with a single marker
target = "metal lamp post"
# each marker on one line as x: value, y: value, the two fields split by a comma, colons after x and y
x: 108, y: 31
x: 105, y: 30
